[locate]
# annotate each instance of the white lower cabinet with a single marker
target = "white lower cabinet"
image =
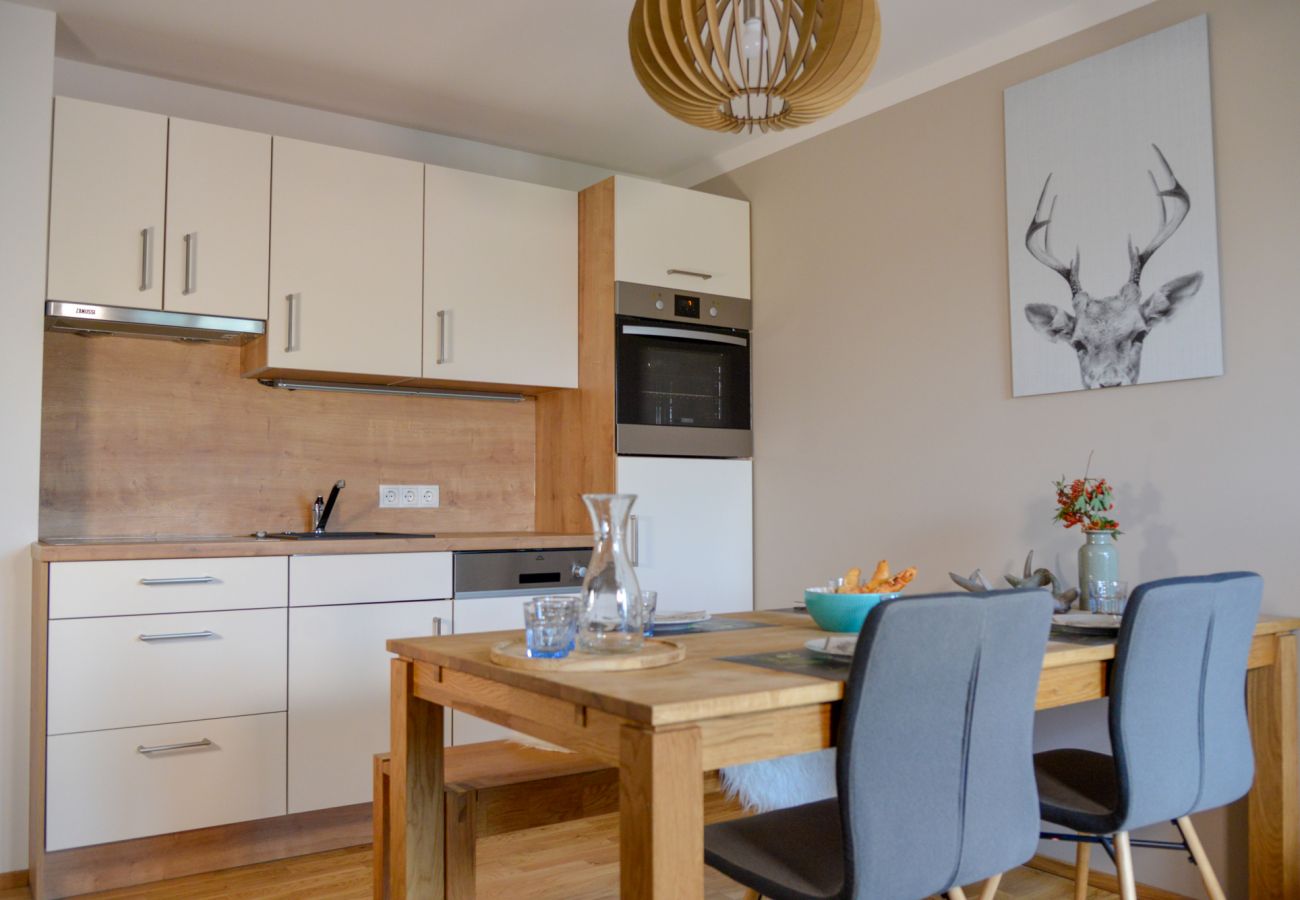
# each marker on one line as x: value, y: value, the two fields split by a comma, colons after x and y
x: 338, y: 693
x: 120, y: 784
x: 694, y: 534
x: 475, y: 615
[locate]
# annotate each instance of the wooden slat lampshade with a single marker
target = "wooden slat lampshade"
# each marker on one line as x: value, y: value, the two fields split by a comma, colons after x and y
x: 732, y: 65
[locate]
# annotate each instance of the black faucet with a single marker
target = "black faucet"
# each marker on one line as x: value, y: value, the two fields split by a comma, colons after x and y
x: 321, y: 509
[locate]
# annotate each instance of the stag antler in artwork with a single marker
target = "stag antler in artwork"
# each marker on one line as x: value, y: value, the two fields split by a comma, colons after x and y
x: 1107, y: 333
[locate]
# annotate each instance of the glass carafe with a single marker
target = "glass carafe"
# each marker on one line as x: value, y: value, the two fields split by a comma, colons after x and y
x: 611, y: 613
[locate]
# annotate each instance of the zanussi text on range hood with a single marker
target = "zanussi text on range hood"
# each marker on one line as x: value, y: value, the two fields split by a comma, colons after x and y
x: 92, y: 318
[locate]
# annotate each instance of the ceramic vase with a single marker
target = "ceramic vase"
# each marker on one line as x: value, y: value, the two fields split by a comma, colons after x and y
x: 1098, y: 561
x: 611, y: 609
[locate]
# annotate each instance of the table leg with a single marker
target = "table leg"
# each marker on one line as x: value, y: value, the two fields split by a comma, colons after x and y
x: 415, y: 791
x: 661, y: 814
x: 1274, y: 801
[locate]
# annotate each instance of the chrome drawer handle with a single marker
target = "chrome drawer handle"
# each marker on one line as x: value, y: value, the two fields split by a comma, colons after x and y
x: 634, y: 541
x: 188, y: 579
x: 146, y: 258
x: 163, y: 748
x: 705, y: 275
x: 441, y: 358
x: 178, y: 636
x: 191, y: 263
x: 291, y: 344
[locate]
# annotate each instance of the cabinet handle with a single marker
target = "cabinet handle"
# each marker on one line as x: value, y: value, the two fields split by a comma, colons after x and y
x: 163, y: 748
x: 146, y: 258
x: 178, y: 636
x: 634, y: 541
x: 442, y: 336
x: 705, y: 275
x: 191, y: 263
x: 186, y: 579
x: 291, y: 344
x: 437, y: 626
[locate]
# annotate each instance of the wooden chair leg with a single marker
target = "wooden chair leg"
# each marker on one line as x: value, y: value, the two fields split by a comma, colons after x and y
x: 381, y: 825
x: 1212, y: 886
x: 752, y: 894
x: 460, y: 845
x: 991, y: 888
x: 956, y: 893
x: 1124, y: 866
x: 1082, y: 857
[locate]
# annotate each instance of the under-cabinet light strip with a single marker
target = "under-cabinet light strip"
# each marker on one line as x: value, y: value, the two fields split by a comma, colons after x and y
x: 390, y: 389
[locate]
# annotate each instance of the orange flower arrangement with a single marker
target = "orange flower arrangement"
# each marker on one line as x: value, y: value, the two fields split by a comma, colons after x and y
x: 1085, y: 501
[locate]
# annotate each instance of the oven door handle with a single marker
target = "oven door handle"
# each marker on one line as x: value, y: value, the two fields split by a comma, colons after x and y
x: 707, y: 337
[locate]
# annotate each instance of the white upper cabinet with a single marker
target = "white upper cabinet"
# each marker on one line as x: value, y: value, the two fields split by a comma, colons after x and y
x: 108, y: 184
x: 678, y: 238
x: 218, y: 220
x: 346, y: 254
x: 500, y: 280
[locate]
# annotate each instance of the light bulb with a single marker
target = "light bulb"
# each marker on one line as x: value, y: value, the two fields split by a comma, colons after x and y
x: 751, y: 38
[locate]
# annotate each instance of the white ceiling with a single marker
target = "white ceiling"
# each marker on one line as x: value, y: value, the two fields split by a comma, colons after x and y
x: 546, y: 76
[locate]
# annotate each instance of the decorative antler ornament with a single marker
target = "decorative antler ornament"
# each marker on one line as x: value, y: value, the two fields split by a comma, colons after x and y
x: 976, y: 583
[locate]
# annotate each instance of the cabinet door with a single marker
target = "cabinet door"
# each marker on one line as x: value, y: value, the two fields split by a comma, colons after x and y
x: 346, y: 254
x: 338, y: 694
x: 475, y: 615
x: 500, y: 280
x: 108, y: 180
x: 694, y: 530
x: 218, y: 220
x: 674, y: 237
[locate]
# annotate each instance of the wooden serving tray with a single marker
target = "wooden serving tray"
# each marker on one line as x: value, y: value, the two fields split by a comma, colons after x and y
x: 653, y: 654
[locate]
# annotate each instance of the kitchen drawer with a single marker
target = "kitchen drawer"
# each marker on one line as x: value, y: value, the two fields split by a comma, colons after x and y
x: 135, y: 587
x: 100, y: 787
x: 369, y: 578
x: 104, y: 674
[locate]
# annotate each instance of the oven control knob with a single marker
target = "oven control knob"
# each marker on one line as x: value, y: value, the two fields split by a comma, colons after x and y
x: 579, y: 570
x: 713, y: 311
x: 659, y: 304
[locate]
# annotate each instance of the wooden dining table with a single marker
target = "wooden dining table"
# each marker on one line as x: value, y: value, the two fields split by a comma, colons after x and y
x: 665, y: 727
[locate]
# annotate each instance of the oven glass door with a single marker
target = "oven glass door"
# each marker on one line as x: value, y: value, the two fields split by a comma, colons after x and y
x: 686, y: 377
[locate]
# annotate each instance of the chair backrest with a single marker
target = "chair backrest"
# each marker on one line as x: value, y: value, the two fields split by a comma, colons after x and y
x: 935, y: 765
x: 1178, y: 702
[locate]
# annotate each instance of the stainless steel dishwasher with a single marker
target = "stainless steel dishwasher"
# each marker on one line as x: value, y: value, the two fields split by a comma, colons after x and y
x: 490, y: 587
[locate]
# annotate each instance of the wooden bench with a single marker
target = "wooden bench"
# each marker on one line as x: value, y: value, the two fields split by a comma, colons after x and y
x: 494, y: 788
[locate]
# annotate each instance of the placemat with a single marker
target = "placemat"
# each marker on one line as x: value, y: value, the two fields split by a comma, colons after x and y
x: 801, y: 662
x: 714, y: 624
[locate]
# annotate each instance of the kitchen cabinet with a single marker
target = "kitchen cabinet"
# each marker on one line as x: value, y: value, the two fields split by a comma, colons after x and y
x: 678, y: 238
x: 218, y: 220
x: 500, y: 280
x: 475, y: 615
x: 693, y: 538
x: 108, y: 183
x: 346, y: 261
x: 338, y: 692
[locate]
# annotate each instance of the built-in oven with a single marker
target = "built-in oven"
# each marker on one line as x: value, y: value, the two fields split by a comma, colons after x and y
x: 682, y: 382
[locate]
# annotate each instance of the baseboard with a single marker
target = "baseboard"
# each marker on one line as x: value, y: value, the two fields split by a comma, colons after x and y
x: 11, y: 880
x: 1103, y: 880
x: 85, y: 870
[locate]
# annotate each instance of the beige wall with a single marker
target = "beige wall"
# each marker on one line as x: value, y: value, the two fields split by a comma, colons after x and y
x: 883, y: 413
x: 26, y: 85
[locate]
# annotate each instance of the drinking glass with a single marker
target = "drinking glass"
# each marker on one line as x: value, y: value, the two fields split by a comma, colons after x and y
x: 550, y: 625
x: 649, y: 600
x: 1107, y: 597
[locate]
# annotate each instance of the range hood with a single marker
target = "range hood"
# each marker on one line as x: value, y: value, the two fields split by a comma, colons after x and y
x: 90, y: 318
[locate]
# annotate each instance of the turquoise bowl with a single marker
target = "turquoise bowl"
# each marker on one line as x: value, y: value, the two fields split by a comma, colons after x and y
x: 841, y: 612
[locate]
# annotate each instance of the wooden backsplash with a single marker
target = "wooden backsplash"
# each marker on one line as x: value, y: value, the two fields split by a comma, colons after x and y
x: 143, y: 437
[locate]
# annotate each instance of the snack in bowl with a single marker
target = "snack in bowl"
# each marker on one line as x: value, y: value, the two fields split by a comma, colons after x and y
x: 846, y: 608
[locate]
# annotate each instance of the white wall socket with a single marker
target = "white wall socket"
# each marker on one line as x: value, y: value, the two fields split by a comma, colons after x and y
x: 408, y: 496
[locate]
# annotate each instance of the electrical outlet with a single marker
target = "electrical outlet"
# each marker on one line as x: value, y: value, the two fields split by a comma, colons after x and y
x: 389, y: 496
x: 408, y: 495
x: 428, y: 498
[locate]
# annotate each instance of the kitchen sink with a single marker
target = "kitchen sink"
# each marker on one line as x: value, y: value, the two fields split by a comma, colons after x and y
x: 338, y: 535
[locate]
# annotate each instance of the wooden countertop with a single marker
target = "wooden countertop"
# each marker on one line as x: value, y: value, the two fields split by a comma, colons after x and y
x: 195, y: 547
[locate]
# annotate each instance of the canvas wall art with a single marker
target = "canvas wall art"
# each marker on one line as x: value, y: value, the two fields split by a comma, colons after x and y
x: 1112, y: 237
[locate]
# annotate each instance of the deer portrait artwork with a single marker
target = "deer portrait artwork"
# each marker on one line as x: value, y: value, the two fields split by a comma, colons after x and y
x: 1112, y: 230
x: 1108, y: 333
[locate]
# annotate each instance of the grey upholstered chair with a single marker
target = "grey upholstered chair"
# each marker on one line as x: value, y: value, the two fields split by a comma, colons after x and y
x: 935, y: 774
x: 1177, y: 725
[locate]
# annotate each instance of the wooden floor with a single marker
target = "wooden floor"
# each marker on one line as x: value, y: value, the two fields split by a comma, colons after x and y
x: 575, y: 861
